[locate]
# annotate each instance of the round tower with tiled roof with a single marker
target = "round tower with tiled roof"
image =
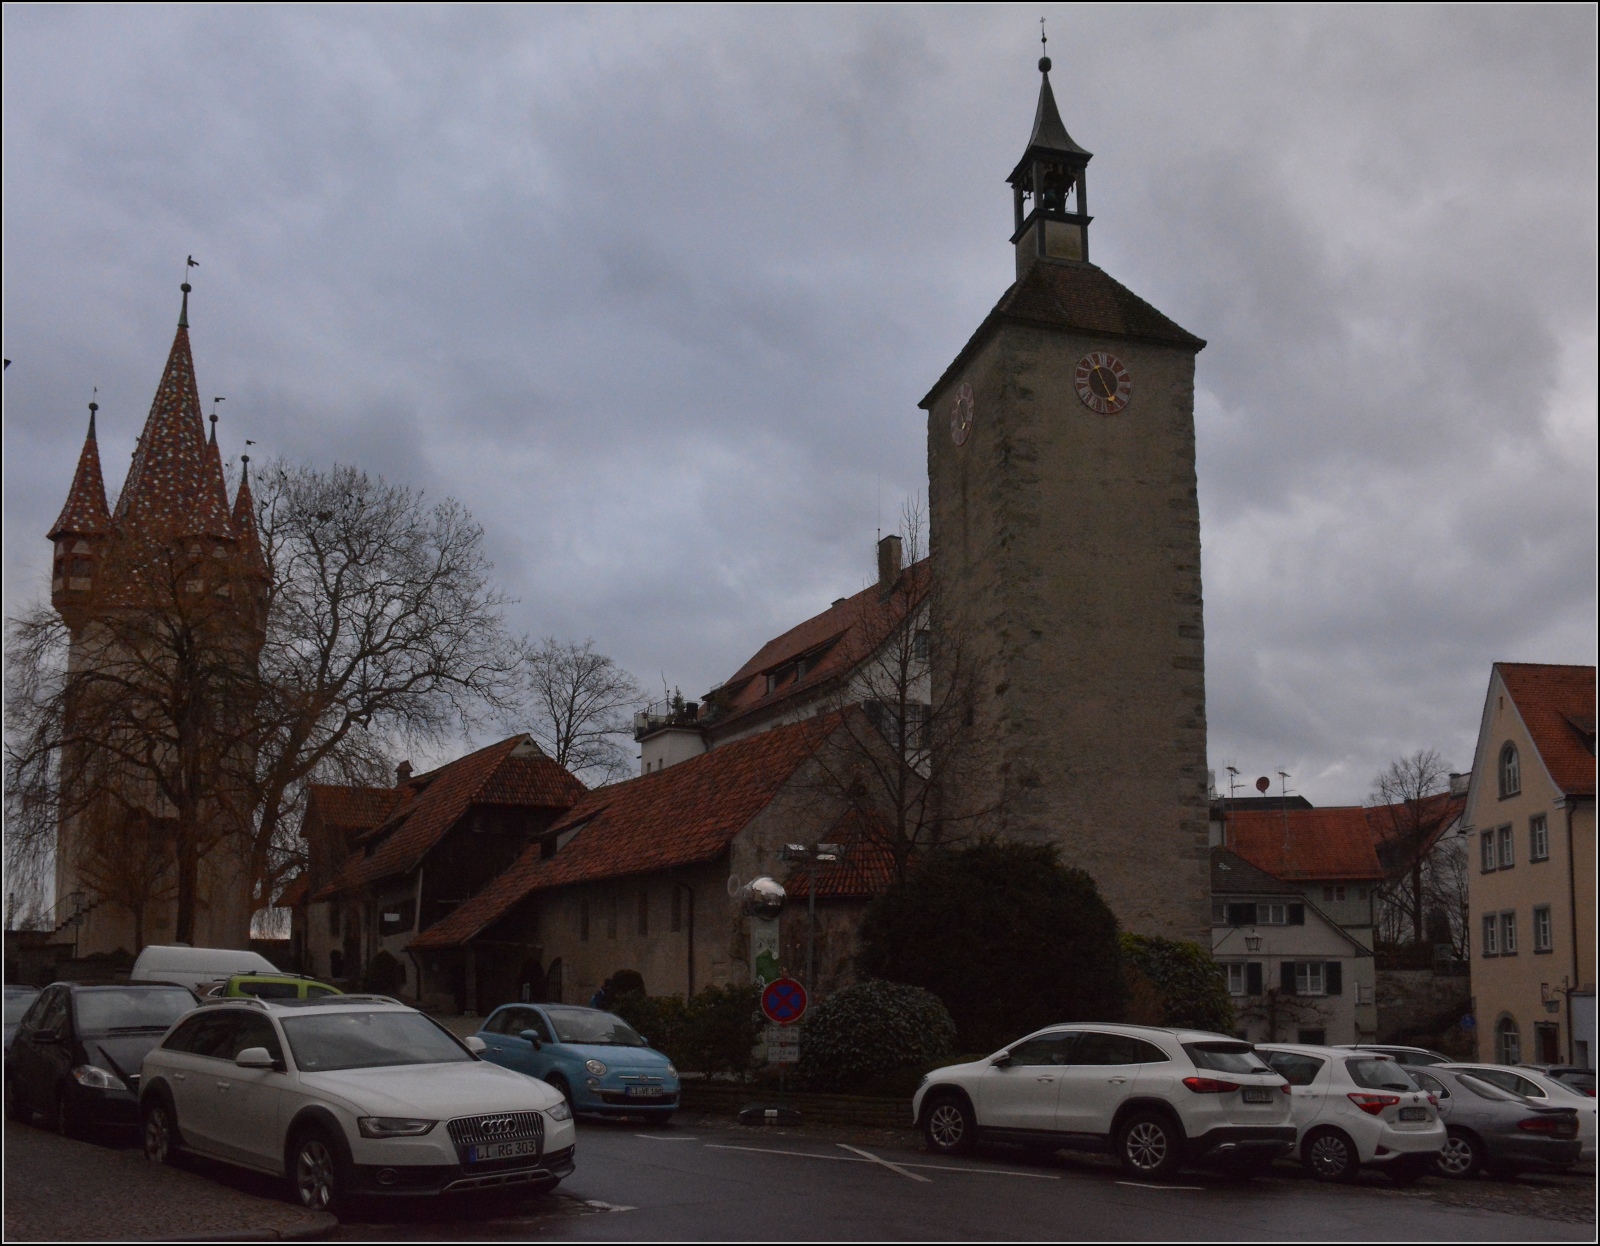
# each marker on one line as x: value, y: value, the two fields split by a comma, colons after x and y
x: 1065, y: 538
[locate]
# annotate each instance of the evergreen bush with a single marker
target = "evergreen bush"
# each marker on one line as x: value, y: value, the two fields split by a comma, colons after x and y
x: 1005, y: 935
x: 1176, y: 984
x: 857, y: 1036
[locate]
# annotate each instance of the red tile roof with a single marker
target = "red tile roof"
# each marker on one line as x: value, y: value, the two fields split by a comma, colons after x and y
x: 85, y: 512
x: 432, y: 803
x: 1557, y: 706
x: 351, y: 808
x: 175, y: 487
x: 1390, y: 824
x: 865, y: 871
x: 1079, y: 298
x: 683, y: 815
x: 840, y: 638
x: 1301, y: 844
x: 244, y: 524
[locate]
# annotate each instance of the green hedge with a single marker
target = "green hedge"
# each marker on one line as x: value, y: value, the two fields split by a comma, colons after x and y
x: 713, y: 1032
x: 1178, y: 982
x: 860, y: 1036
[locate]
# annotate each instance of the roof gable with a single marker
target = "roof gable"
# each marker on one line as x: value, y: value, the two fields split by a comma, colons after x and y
x: 1556, y: 704
x: 686, y: 814
x: 1232, y: 875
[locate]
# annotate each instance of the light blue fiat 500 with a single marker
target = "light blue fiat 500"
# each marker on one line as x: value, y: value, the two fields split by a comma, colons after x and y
x: 594, y: 1058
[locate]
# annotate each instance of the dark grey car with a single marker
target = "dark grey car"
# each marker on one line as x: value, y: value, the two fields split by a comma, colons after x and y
x: 1493, y: 1129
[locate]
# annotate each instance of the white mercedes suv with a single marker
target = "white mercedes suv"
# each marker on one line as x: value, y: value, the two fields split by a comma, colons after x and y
x: 348, y: 1095
x: 1153, y: 1097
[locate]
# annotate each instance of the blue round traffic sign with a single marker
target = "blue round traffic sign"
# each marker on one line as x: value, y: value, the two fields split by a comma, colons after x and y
x: 784, y: 1001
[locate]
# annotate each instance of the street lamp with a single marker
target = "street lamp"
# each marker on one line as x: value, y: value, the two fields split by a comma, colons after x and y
x: 812, y: 856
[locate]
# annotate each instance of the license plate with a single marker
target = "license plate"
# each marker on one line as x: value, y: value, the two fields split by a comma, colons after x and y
x: 643, y: 1092
x: 502, y: 1150
x: 1258, y: 1094
x: 1413, y: 1114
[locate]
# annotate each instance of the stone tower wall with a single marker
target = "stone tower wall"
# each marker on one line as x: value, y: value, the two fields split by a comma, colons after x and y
x: 1068, y: 544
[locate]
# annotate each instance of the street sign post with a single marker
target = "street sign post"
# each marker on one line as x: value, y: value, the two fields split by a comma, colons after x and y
x: 783, y: 1001
x: 783, y: 1045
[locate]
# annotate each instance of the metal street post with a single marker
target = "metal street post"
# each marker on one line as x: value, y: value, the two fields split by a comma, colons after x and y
x: 812, y: 855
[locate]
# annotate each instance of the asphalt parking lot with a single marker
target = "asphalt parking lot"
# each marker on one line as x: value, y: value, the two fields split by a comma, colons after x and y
x: 707, y: 1178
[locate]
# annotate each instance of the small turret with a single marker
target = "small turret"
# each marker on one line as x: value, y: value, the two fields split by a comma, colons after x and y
x: 1051, y: 203
x: 81, y: 530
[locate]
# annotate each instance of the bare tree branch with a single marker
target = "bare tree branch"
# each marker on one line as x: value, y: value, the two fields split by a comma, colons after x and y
x: 580, y: 703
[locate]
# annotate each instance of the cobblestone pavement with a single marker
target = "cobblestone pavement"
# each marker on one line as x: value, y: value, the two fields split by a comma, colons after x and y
x: 63, y: 1190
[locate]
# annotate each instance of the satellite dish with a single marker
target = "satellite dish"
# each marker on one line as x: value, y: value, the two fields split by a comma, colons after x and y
x: 1263, y: 783
x: 733, y: 886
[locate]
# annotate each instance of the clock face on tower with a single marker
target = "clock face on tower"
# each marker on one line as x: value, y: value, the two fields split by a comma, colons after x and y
x: 961, y: 415
x: 1102, y: 382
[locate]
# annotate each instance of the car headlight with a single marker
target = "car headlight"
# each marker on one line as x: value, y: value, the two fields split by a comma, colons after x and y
x: 672, y: 1070
x: 595, y: 1067
x: 561, y: 1112
x: 97, y: 1079
x: 392, y: 1126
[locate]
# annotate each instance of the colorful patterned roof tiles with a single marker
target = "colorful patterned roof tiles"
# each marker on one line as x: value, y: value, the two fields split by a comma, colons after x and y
x: 85, y: 512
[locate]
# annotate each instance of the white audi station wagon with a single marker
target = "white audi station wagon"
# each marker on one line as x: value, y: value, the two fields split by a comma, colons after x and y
x: 1155, y: 1098
x: 348, y: 1095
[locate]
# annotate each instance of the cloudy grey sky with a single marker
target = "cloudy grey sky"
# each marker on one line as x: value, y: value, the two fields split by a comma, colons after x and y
x: 655, y: 292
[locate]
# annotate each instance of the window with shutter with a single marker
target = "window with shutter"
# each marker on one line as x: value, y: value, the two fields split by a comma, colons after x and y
x: 1241, y: 914
x: 1297, y: 915
x: 1253, y: 978
x: 1333, y: 977
x: 1286, y: 977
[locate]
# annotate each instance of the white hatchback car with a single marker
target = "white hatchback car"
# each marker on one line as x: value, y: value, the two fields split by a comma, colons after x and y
x: 1153, y: 1097
x: 1355, y: 1108
x: 348, y: 1095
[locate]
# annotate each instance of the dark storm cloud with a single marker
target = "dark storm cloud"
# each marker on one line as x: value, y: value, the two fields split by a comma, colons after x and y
x: 655, y: 293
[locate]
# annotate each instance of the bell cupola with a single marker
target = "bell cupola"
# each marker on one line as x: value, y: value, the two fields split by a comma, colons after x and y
x: 1051, y: 206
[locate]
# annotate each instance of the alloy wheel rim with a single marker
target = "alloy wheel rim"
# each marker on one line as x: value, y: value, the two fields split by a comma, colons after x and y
x: 946, y: 1125
x: 1456, y: 1158
x: 1329, y: 1156
x: 314, y: 1175
x: 1146, y: 1146
x: 156, y: 1137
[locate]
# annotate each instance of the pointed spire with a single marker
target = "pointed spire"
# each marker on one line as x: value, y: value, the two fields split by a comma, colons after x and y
x: 244, y: 519
x: 1049, y: 131
x: 85, y: 513
x: 175, y: 486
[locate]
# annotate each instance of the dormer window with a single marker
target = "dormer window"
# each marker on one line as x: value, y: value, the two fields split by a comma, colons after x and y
x: 1510, y: 771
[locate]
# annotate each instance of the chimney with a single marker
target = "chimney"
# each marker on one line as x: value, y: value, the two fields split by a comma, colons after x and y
x: 1459, y: 783
x: 402, y: 774
x: 888, y: 563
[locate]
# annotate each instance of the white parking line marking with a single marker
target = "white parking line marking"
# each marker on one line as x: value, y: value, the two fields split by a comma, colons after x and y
x: 666, y: 1138
x: 602, y: 1205
x: 997, y: 1172
x: 766, y: 1150
x: 904, y: 1172
x: 1145, y: 1185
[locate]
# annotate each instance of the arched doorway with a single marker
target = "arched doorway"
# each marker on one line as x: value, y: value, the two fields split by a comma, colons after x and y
x: 1507, y: 1041
x: 531, y: 981
x: 552, y: 982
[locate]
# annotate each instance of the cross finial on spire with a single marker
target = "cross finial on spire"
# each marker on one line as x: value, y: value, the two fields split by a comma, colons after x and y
x: 93, y: 407
x: 1044, y: 45
x: 183, y: 314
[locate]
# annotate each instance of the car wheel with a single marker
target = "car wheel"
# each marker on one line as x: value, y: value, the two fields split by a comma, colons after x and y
x: 1150, y: 1146
x: 1329, y: 1155
x: 949, y: 1126
x: 160, y: 1132
x: 320, y: 1178
x: 1462, y: 1155
x: 560, y: 1083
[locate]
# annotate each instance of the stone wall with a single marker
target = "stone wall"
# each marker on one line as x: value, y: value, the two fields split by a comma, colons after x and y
x: 1420, y: 1008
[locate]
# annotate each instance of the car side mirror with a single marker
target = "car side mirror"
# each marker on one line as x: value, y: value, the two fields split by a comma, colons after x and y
x: 255, y: 1058
x: 475, y: 1044
x: 532, y: 1038
x: 1002, y: 1061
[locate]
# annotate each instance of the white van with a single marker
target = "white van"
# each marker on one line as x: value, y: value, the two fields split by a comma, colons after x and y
x: 190, y: 966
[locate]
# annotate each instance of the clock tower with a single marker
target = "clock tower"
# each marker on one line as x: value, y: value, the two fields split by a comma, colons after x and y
x: 1065, y: 535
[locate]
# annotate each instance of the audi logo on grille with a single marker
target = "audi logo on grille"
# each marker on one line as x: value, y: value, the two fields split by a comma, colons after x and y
x: 498, y: 1125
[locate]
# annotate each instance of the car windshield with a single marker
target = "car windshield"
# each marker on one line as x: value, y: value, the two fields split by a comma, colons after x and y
x: 105, y: 1010
x: 1380, y: 1075
x: 17, y: 1004
x: 1226, y: 1057
x: 589, y: 1025
x: 369, y: 1040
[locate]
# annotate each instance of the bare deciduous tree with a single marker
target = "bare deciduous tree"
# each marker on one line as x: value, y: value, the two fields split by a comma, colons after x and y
x: 906, y: 734
x: 1425, y: 883
x: 373, y: 621
x: 580, y: 702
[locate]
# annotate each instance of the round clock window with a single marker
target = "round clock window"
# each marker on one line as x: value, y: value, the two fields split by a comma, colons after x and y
x: 1102, y: 382
x: 961, y: 415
